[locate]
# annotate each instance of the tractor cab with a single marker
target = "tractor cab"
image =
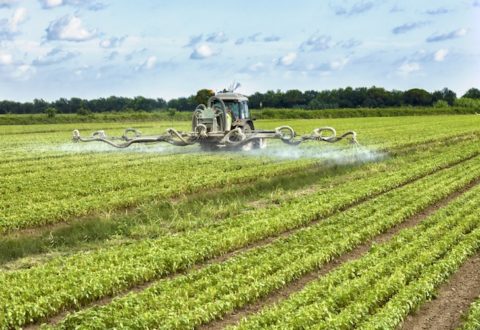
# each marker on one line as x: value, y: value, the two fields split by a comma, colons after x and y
x: 238, y: 105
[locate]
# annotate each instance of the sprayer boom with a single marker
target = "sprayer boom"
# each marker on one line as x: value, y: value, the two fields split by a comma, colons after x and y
x: 223, y: 123
x: 231, y: 139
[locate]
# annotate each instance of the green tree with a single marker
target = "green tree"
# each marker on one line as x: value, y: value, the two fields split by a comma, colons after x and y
x: 446, y: 95
x: 75, y: 104
x: 417, y: 97
x: 203, y: 95
x: 293, y: 98
x: 466, y: 102
x: 472, y: 93
x: 441, y: 104
x: 84, y: 111
x: 40, y: 105
x: 50, y: 112
x: 171, y: 113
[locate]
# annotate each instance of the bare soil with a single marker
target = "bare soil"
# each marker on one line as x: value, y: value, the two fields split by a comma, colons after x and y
x: 356, y: 253
x: 300, y: 283
x: 452, y: 301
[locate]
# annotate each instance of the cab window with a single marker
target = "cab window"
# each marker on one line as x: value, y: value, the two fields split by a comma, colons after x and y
x: 239, y: 109
x: 235, y: 108
x: 246, y: 111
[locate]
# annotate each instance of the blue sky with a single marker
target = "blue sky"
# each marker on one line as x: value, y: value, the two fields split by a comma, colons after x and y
x: 96, y: 48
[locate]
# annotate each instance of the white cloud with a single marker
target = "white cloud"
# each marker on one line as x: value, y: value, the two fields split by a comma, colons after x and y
x: 271, y: 38
x: 256, y: 37
x: 409, y: 67
x: 404, y: 28
x: 23, y: 72
x: 288, y: 59
x: 461, y: 32
x: 305, y: 67
x: 350, y: 43
x: 6, y: 59
x: 69, y: 28
x: 339, y: 63
x: 218, y: 38
x: 9, y: 27
x: 111, y: 42
x: 447, y: 36
x: 135, y: 54
x: 149, y: 63
x: 51, y: 3
x: 440, y: 55
x: 202, y: 52
x: 89, y: 4
x: 358, y: 7
x: 105, y: 43
x: 54, y: 56
x: 259, y: 66
x: 240, y: 41
x: 438, y: 11
x: 13, y: 69
x: 194, y: 40
x: 316, y: 43
x: 7, y: 3
x: 19, y: 16
x: 112, y: 56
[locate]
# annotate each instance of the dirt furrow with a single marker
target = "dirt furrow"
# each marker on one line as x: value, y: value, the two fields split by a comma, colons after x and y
x: 356, y: 253
x: 398, y: 151
x: 452, y: 300
x: 106, y: 300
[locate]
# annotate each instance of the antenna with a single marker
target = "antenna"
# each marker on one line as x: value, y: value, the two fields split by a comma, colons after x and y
x: 233, y: 87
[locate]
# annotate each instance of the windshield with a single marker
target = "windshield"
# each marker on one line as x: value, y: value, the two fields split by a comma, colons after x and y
x: 233, y: 106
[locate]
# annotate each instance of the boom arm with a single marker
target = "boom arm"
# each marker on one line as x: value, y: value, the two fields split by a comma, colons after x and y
x: 231, y: 139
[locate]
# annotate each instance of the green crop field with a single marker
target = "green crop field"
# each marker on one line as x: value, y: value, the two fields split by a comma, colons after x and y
x: 317, y: 236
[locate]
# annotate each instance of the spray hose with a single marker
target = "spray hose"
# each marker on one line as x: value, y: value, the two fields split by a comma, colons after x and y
x: 237, y: 137
x: 287, y: 135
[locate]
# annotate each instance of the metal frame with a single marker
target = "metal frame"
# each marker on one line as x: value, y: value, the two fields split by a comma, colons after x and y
x: 231, y: 139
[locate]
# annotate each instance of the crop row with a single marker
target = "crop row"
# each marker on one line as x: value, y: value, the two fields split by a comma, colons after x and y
x: 76, y: 280
x: 42, y: 191
x: 412, y: 295
x: 390, y: 132
x: 81, y: 161
x: 63, y: 162
x: 220, y: 288
x: 378, y: 290
x: 134, y: 170
x: 284, y: 189
x: 385, y: 132
x: 472, y: 320
x: 154, y: 219
x: 50, y: 197
x: 53, y: 196
x: 158, y: 218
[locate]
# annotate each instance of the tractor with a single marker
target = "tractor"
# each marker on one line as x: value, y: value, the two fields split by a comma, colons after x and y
x: 224, y: 122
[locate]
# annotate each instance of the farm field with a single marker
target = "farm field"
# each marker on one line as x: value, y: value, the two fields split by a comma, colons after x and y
x: 319, y: 236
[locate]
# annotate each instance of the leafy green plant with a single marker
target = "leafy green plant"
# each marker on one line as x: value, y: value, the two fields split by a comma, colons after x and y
x: 51, y: 112
x: 217, y: 289
x: 427, y: 162
x: 472, y: 320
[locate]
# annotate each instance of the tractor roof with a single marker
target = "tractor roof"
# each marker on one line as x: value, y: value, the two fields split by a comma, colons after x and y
x: 231, y: 97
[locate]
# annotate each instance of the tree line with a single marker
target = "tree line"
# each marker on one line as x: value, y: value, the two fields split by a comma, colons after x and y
x: 362, y: 97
